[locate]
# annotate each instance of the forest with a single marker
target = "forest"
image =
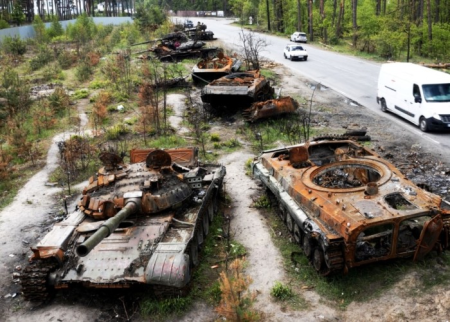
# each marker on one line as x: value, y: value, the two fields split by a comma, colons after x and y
x: 395, y: 30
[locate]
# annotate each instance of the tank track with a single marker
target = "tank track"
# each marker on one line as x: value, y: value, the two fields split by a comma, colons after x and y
x: 34, y: 280
x: 333, y: 256
x: 334, y: 259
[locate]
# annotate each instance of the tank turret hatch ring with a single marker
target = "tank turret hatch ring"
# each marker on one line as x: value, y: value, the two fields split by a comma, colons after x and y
x: 110, y: 160
x: 157, y: 159
x: 346, y: 176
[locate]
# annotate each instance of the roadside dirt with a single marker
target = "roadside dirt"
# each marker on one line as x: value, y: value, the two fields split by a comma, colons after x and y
x: 34, y: 210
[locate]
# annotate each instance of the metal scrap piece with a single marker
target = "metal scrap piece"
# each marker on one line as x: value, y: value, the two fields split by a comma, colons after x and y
x: 261, y: 110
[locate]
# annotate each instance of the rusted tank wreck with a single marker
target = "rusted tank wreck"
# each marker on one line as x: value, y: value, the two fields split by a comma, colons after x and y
x: 236, y: 91
x: 270, y: 108
x: 137, y: 224
x: 346, y: 206
x: 209, y: 69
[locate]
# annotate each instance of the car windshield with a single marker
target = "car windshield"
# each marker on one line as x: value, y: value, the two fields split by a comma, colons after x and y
x: 436, y: 92
x: 297, y: 48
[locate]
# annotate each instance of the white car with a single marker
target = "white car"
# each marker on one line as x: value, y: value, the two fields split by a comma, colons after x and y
x: 294, y: 52
x: 299, y: 37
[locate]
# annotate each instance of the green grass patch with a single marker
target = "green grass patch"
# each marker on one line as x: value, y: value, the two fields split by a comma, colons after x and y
x: 158, y: 309
x: 166, y: 142
x: 80, y: 93
x: 262, y: 202
x: 271, y: 75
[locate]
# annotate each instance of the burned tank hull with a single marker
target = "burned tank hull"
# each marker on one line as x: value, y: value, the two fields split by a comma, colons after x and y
x: 347, y: 207
x: 137, y: 224
x: 236, y: 91
x: 270, y: 108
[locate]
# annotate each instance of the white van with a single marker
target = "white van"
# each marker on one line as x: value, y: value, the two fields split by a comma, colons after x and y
x: 419, y: 94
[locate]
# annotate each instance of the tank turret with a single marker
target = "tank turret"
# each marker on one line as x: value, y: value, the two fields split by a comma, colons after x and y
x: 132, y: 206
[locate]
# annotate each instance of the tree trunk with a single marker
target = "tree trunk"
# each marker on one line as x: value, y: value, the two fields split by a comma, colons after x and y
x: 340, y: 18
x: 322, y: 18
x: 268, y: 15
x: 437, y: 5
x: 299, y: 15
x: 355, y: 22
x: 281, y: 11
x: 310, y: 20
x: 430, y: 30
x: 333, y: 19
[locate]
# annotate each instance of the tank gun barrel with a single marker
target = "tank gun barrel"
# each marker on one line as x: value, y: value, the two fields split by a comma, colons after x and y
x: 146, y: 42
x: 131, y: 207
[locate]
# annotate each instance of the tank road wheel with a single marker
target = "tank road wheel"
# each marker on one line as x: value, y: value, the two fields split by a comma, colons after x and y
x: 282, y: 213
x: 318, y: 260
x: 211, y: 211
x: 307, y: 246
x: 297, y: 234
x: 383, y: 105
x: 193, y: 252
x: 290, y: 222
x: 200, y: 234
x: 205, y: 224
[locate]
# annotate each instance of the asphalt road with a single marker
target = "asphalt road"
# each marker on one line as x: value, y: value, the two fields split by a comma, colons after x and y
x: 353, y: 77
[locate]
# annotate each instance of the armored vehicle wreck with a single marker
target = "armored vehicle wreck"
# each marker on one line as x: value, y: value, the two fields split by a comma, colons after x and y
x: 237, y: 90
x: 138, y: 223
x: 347, y: 207
x: 209, y: 69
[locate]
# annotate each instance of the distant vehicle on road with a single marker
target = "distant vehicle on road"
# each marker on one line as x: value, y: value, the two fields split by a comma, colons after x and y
x: 294, y: 52
x: 299, y: 37
x: 188, y: 24
x: 418, y: 94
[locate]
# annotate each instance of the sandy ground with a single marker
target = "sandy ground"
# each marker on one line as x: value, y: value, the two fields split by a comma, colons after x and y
x: 27, y: 219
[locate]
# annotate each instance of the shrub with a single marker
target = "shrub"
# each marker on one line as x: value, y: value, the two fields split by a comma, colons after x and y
x: 3, y: 24
x: 232, y: 143
x: 59, y: 100
x: 215, y: 137
x: 83, y: 71
x: 43, y: 57
x: 281, y: 292
x: 55, y: 28
x: 14, y: 46
x: 114, y: 132
x: 262, y: 202
x: 96, y: 84
x: 66, y: 59
x: 81, y: 93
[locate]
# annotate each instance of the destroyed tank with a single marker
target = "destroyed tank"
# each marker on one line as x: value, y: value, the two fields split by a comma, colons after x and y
x: 236, y: 91
x: 346, y: 206
x: 136, y: 224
